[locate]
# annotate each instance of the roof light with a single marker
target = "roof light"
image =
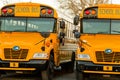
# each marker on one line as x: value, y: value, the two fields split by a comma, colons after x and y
x: 43, y: 11
x: 49, y: 11
x: 47, y: 43
x: 93, y: 12
x: 4, y: 11
x: 87, y: 12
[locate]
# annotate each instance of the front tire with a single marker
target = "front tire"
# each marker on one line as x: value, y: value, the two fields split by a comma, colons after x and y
x: 71, y: 64
x: 49, y: 72
x: 68, y: 67
x: 79, y: 75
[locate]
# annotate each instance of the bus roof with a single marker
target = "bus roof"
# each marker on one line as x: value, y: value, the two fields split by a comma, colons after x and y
x: 109, y: 11
x: 30, y: 4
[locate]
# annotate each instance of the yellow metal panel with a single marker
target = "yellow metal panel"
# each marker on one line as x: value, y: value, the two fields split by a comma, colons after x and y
x: 55, y: 14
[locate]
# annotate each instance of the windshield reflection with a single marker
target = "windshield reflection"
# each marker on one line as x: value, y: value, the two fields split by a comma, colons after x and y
x: 101, y: 26
x: 27, y: 24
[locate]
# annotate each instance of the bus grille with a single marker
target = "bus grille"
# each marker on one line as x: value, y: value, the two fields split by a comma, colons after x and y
x: 103, y: 57
x: 11, y: 54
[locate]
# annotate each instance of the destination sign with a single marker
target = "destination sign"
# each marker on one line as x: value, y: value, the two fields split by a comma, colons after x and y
x: 109, y: 13
x: 28, y: 11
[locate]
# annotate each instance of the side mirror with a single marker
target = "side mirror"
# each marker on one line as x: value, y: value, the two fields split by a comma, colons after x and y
x: 76, y: 20
x: 75, y: 31
x: 61, y: 35
x: 77, y: 34
x: 62, y: 24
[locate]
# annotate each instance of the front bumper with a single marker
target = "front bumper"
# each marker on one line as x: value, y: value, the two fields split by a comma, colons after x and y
x: 90, y: 67
x: 23, y: 65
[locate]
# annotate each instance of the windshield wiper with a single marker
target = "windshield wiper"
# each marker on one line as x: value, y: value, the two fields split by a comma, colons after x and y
x: 40, y: 41
x: 116, y: 31
x: 101, y: 32
x: 33, y: 31
x: 18, y: 31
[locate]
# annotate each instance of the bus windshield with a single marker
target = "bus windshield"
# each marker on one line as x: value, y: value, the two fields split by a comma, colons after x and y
x: 27, y: 24
x: 101, y: 26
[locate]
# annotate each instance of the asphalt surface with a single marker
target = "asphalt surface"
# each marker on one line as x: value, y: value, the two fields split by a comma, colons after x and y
x: 58, y: 76
x: 62, y: 76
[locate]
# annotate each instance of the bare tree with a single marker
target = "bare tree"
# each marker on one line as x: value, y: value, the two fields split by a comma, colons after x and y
x: 75, y: 6
x: 5, y: 2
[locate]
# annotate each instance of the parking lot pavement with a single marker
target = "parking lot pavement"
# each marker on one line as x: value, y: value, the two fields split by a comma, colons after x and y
x: 70, y: 76
x: 59, y: 76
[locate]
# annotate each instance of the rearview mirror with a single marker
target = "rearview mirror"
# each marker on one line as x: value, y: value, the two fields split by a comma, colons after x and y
x: 76, y: 20
x: 62, y: 24
x: 61, y: 35
x: 75, y: 30
x: 77, y: 34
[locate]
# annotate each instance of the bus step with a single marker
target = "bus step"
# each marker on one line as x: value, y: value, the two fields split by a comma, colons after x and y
x: 58, y: 68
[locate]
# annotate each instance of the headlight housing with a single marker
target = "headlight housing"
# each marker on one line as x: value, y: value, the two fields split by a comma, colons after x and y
x: 83, y: 56
x: 40, y: 55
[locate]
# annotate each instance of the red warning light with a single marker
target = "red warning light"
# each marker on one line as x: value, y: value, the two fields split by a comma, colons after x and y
x: 4, y: 11
x: 87, y: 12
x: 49, y: 11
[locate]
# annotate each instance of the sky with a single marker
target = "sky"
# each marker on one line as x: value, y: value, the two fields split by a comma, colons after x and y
x: 115, y: 1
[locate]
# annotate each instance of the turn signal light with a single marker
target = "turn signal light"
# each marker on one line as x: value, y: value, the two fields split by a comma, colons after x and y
x: 47, y: 43
x: 43, y: 11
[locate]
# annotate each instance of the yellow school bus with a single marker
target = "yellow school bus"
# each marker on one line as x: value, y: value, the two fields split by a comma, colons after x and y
x: 34, y: 39
x: 98, y: 54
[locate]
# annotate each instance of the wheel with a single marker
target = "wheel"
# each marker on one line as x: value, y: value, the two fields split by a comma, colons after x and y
x: 79, y: 76
x: 71, y: 64
x: 49, y: 72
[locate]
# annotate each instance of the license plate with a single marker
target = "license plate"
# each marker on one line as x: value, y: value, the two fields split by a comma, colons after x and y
x: 107, y: 68
x: 14, y: 64
x: 107, y: 76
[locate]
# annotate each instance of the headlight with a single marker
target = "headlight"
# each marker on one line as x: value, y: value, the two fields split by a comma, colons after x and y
x: 40, y: 55
x: 83, y: 56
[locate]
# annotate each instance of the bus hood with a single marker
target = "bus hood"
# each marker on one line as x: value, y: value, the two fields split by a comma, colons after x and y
x: 20, y: 38
x: 101, y: 41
